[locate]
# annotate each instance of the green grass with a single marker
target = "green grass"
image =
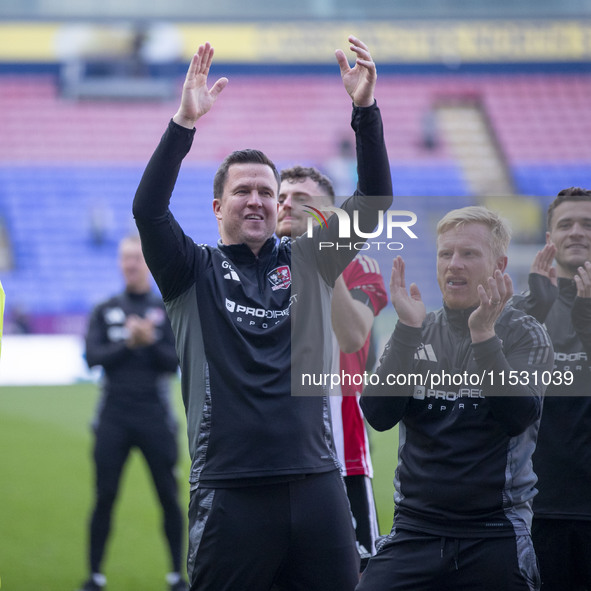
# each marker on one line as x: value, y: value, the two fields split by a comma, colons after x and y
x: 46, y: 494
x: 46, y: 483
x: 384, y: 456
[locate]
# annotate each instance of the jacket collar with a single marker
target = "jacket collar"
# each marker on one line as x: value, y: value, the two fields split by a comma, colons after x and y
x: 243, y: 253
x: 458, y: 319
x: 567, y: 288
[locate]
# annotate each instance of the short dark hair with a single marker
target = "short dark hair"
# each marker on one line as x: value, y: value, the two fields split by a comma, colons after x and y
x: 570, y: 194
x: 247, y: 156
x: 298, y: 174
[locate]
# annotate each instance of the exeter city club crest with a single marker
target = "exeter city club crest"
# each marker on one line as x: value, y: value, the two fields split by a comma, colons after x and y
x: 280, y: 278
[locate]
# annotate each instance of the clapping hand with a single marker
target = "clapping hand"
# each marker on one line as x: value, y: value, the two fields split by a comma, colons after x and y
x: 583, y: 280
x: 542, y: 263
x: 408, y: 305
x: 492, y: 301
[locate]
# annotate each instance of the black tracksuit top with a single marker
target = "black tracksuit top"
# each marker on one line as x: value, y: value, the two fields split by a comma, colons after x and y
x: 562, y: 459
x: 243, y: 323
x: 136, y: 382
x: 465, y: 451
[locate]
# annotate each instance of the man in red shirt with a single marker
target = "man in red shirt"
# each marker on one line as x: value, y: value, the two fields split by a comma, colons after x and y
x: 358, y: 296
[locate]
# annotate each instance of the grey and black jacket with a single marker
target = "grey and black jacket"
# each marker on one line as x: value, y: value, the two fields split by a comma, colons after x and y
x: 464, y: 466
x: 244, y: 324
x: 562, y: 459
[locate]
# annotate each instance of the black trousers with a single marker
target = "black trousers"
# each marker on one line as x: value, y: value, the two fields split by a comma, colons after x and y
x: 291, y: 536
x: 410, y: 561
x: 563, y: 547
x: 113, y: 442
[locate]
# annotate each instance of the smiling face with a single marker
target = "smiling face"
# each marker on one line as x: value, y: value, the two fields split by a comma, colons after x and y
x: 465, y: 259
x: 247, y: 210
x: 571, y: 234
x: 292, y: 219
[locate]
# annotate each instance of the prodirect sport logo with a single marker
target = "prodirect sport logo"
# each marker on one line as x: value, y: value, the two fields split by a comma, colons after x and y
x: 256, y: 316
x: 400, y: 219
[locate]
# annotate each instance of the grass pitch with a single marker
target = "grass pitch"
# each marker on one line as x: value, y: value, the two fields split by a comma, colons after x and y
x: 46, y: 489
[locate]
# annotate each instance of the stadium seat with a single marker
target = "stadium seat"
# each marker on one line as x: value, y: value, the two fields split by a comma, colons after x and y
x: 54, y: 167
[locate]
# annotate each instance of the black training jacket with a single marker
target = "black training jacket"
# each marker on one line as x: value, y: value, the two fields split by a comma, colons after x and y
x: 562, y: 459
x: 233, y: 315
x: 465, y: 449
x: 136, y: 382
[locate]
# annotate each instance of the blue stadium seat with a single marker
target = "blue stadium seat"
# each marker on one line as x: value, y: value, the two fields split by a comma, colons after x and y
x: 79, y: 155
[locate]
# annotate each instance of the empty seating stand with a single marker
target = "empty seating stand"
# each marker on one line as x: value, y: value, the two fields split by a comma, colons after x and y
x: 61, y: 159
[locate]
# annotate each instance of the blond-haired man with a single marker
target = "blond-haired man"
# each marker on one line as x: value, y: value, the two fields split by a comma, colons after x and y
x: 468, y: 420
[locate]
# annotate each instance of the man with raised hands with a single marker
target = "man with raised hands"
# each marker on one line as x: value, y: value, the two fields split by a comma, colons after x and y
x: 268, y: 507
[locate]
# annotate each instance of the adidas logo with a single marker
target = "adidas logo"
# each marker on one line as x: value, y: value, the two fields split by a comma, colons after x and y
x: 426, y: 353
x: 232, y: 275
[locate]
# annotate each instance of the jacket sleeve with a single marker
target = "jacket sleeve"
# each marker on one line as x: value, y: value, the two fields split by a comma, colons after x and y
x: 163, y: 351
x: 385, y: 403
x: 169, y: 253
x: 373, y: 195
x: 373, y: 166
x: 539, y: 299
x: 363, y: 274
x: 512, y: 373
x: 99, y: 349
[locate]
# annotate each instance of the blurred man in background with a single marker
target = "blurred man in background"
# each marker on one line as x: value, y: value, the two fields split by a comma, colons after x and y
x: 130, y: 336
x: 560, y: 296
x: 358, y: 296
